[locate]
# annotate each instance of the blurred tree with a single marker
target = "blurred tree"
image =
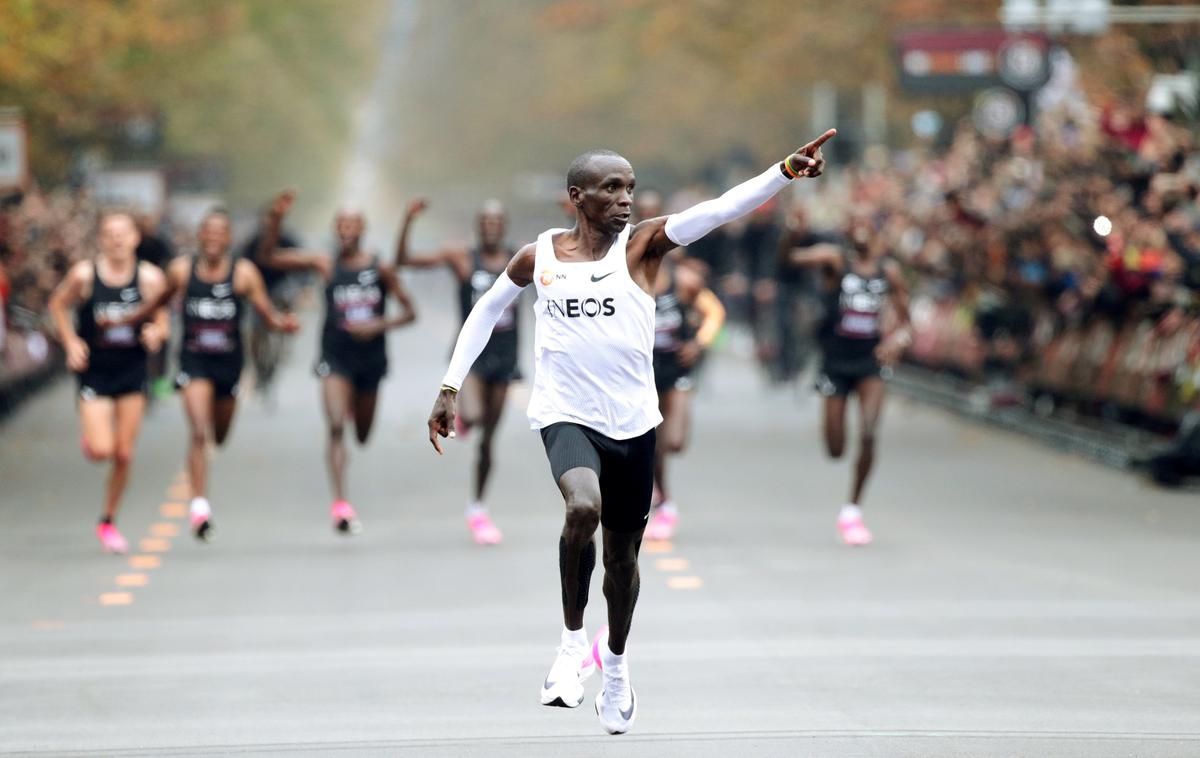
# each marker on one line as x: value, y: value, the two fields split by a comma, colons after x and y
x: 267, y: 85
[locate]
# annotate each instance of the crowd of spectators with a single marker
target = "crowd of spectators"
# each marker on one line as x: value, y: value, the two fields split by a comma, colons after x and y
x: 41, y: 235
x: 1058, y: 267
x: 1061, y: 264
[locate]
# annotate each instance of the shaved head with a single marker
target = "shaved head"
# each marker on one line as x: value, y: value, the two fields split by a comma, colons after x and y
x: 586, y: 168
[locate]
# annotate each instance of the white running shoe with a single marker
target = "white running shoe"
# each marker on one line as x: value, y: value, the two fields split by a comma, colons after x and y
x: 564, y: 684
x: 616, y: 705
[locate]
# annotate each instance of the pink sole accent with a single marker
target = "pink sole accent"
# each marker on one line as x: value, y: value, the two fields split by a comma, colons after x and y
x: 602, y: 633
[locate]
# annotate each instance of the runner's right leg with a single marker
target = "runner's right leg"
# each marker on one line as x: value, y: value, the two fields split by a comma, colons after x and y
x: 835, y: 425
x: 97, y: 422
x: 580, y: 487
x: 479, y: 521
x: 338, y: 394
x: 675, y: 406
x: 198, y: 407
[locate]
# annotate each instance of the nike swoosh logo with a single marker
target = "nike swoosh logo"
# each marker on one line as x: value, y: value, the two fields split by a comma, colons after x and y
x: 626, y: 715
x: 598, y: 278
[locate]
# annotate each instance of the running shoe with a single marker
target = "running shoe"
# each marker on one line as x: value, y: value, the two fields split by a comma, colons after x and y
x: 854, y: 532
x: 345, y: 520
x: 483, y: 530
x: 200, y: 517
x: 111, y: 539
x: 462, y: 429
x: 563, y: 687
x: 662, y: 522
x: 616, y: 705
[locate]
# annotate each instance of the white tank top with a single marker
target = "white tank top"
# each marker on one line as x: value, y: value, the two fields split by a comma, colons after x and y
x: 593, y: 344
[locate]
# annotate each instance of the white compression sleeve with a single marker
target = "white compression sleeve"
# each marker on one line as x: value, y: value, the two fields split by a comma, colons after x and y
x: 686, y: 227
x: 477, y: 329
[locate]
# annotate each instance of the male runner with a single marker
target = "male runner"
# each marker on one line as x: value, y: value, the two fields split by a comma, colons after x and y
x: 214, y: 285
x: 353, y: 346
x: 593, y: 396
x: 486, y: 386
x: 857, y: 287
x: 110, y: 360
x: 687, y: 319
x: 266, y: 347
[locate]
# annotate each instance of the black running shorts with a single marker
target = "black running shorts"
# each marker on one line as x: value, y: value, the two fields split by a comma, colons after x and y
x: 113, y: 381
x: 625, y: 469
x: 364, y: 372
x: 223, y: 371
x: 841, y: 381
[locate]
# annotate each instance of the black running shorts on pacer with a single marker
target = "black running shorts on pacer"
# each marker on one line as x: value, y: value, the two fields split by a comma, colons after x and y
x: 625, y: 469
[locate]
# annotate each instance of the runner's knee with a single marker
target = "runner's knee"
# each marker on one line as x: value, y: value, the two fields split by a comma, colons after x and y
x: 97, y: 452
x: 583, y: 512
x: 123, y: 454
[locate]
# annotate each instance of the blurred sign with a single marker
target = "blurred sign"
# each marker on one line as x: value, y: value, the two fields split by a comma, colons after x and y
x: 140, y: 189
x: 13, y: 162
x: 997, y: 112
x: 964, y: 60
x: 1056, y: 16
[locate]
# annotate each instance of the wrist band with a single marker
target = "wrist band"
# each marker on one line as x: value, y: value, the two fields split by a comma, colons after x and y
x: 448, y: 387
x: 786, y: 166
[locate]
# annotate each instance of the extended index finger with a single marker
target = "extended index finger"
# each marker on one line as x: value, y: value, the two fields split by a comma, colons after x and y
x: 816, y: 144
x: 433, y: 437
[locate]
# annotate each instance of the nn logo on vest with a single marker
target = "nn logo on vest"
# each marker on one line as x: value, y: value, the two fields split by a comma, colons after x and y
x: 575, y: 308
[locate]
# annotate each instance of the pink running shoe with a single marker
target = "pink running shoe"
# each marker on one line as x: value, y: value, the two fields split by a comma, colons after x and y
x: 854, y: 532
x: 345, y: 520
x: 462, y: 429
x: 601, y: 635
x: 662, y: 523
x: 111, y: 539
x: 483, y: 530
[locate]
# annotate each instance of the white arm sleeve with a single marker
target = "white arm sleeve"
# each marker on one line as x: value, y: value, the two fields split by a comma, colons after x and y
x: 477, y: 329
x: 686, y: 227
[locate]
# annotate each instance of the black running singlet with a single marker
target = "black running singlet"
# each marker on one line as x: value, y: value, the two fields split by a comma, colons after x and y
x: 114, y: 347
x: 852, y: 327
x: 480, y: 281
x: 352, y: 297
x: 212, y: 316
x: 672, y: 327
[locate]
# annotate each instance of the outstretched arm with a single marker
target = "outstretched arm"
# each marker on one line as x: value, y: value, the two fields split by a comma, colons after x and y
x: 453, y: 258
x: 476, y: 331
x: 892, y: 348
x: 248, y: 283
x: 69, y: 293
x: 269, y: 253
x: 683, y: 228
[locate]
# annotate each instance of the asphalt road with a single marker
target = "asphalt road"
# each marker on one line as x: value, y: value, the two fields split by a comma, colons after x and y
x: 1017, y: 602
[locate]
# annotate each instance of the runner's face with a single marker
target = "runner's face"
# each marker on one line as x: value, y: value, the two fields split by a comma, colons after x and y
x: 491, y: 228
x: 607, y: 202
x: 214, y: 236
x: 118, y: 235
x: 349, y: 228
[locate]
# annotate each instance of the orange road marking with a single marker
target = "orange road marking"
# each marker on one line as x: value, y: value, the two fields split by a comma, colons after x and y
x: 162, y: 529
x: 173, y: 510
x: 144, y: 561
x: 657, y: 547
x: 671, y: 564
x: 116, y: 598
x: 154, y: 545
x: 132, y: 580
x: 684, y: 582
x: 46, y: 624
